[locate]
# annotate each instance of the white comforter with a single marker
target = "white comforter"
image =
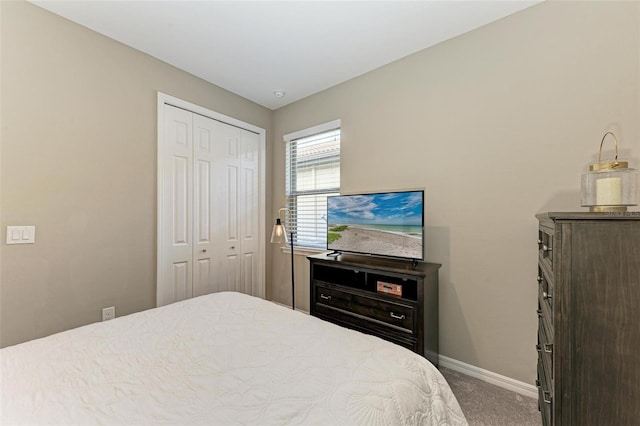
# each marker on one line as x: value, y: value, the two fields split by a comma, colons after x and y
x: 220, y: 359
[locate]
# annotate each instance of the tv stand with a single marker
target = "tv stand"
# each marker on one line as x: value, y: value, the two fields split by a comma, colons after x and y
x: 394, y: 300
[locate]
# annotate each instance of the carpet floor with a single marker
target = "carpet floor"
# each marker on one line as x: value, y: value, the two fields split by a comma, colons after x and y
x: 484, y: 404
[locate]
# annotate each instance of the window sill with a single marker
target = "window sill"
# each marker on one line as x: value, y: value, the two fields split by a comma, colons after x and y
x: 302, y: 251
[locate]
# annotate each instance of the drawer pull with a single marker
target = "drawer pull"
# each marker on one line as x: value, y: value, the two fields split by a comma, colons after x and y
x: 538, y: 348
x: 544, y: 397
x: 540, y: 279
x: 546, y: 248
x: 548, y: 348
x: 400, y: 317
x: 546, y: 295
x: 322, y: 296
x: 539, y: 312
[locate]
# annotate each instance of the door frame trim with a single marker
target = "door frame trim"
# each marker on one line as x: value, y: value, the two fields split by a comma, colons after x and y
x: 165, y: 99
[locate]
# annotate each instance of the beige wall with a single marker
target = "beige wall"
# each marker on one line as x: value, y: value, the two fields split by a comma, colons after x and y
x: 79, y: 162
x: 497, y: 125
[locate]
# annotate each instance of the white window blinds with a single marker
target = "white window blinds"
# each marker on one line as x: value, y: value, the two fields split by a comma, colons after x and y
x: 312, y: 173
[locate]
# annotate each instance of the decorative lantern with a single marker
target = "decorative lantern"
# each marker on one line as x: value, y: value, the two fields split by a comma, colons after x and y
x: 609, y: 186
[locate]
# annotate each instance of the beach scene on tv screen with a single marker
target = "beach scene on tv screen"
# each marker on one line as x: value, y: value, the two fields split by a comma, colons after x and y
x: 388, y: 224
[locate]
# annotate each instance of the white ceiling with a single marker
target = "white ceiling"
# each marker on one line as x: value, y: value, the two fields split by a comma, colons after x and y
x: 254, y: 48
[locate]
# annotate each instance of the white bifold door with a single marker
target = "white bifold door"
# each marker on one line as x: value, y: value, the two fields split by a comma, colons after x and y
x: 209, y: 208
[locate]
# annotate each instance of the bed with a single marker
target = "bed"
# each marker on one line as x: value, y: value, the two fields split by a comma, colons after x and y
x: 220, y: 359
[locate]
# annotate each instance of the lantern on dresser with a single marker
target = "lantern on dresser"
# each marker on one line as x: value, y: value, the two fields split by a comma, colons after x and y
x: 609, y: 186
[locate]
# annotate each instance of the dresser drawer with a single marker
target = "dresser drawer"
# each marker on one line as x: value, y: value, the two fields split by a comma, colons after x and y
x: 546, y: 281
x: 545, y: 247
x: 545, y: 395
x: 395, y: 315
x: 545, y: 352
x: 545, y: 302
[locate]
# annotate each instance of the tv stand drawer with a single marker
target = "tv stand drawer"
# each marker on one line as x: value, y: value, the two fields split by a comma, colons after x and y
x: 349, y: 321
x: 384, y: 312
x: 344, y: 290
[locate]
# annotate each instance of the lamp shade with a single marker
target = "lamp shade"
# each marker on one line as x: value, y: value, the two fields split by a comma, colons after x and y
x: 279, y: 234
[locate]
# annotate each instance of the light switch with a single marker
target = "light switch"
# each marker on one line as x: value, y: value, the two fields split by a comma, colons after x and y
x: 21, y: 234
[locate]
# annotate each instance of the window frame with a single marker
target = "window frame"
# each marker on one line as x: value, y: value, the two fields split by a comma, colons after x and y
x: 292, y: 137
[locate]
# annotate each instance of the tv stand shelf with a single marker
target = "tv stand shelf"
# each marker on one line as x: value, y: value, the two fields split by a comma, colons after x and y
x: 344, y: 291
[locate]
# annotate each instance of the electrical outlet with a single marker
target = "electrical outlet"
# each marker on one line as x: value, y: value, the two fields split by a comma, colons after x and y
x: 108, y: 313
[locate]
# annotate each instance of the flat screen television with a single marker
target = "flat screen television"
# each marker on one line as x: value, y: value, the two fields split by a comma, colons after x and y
x: 389, y: 224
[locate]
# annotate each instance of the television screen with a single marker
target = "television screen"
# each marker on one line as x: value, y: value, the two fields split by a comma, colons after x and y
x: 383, y: 224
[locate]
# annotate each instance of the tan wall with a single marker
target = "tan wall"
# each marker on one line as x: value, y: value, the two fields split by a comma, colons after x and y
x: 79, y: 162
x: 497, y: 125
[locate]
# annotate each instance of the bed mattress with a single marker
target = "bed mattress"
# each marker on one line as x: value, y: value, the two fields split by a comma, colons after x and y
x: 220, y: 359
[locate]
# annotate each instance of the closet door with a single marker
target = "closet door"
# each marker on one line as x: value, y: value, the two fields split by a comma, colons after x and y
x: 236, y: 186
x: 252, y: 281
x: 209, y: 207
x: 176, y: 161
x: 204, y: 199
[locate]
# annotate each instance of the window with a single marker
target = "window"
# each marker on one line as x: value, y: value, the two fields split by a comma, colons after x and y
x: 312, y: 173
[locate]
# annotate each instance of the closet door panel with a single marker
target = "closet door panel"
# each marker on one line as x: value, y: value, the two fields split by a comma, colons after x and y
x: 248, y: 273
x: 231, y: 198
x: 181, y: 281
x: 231, y: 273
x: 202, y: 280
x: 181, y: 197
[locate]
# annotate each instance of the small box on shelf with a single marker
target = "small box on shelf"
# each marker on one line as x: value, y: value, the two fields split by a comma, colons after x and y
x: 389, y: 288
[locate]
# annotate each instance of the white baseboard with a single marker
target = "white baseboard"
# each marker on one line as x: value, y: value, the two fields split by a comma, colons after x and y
x: 490, y: 377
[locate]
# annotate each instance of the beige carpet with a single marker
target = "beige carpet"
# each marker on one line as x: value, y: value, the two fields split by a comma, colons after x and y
x: 485, y: 404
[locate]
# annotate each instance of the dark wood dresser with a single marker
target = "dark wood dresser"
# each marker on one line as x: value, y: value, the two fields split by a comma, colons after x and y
x: 356, y: 292
x: 589, y: 319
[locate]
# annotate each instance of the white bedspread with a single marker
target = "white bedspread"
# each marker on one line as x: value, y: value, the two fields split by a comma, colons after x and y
x: 220, y: 359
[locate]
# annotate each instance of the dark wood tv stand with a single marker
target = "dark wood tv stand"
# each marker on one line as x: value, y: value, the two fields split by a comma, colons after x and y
x: 344, y: 292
